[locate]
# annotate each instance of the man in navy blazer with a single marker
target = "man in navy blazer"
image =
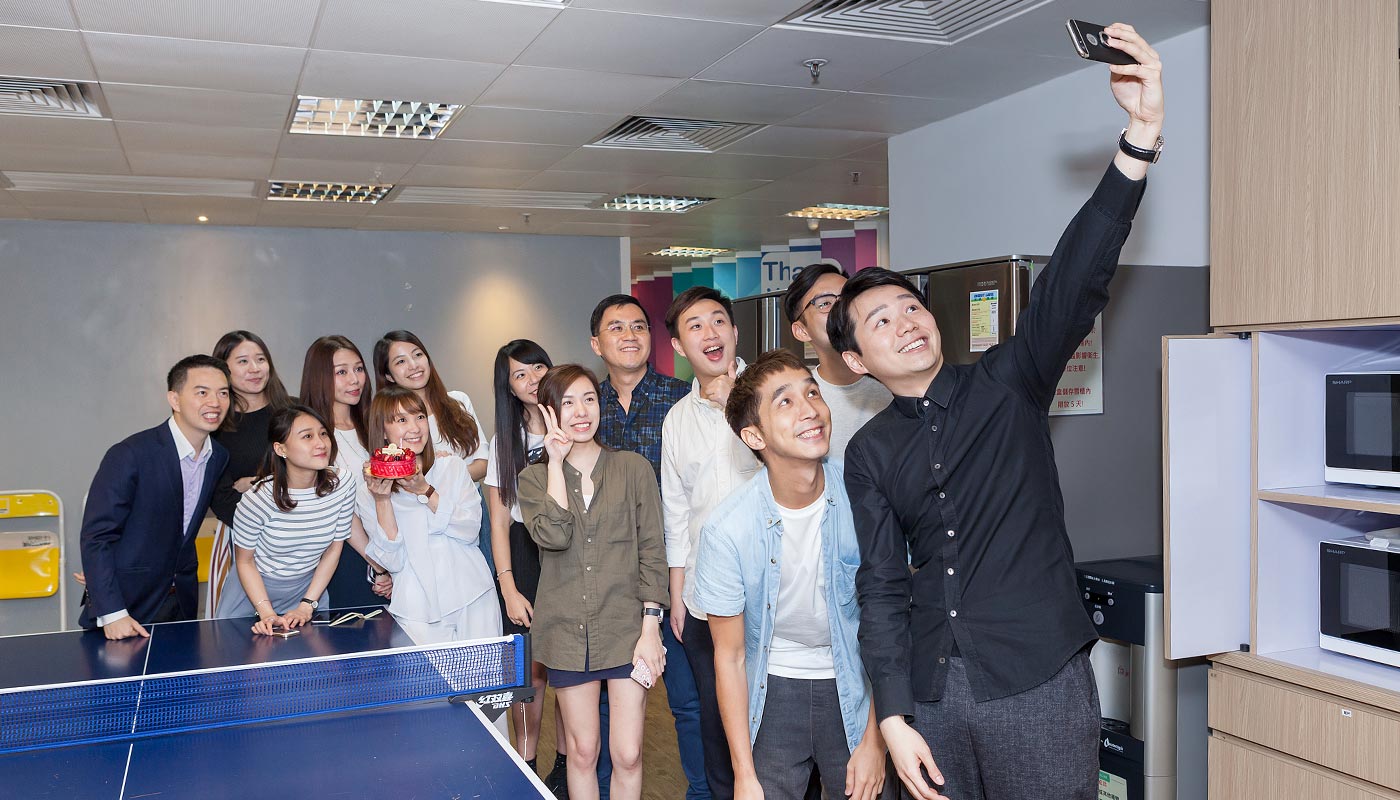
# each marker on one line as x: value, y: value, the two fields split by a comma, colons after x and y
x: 146, y: 504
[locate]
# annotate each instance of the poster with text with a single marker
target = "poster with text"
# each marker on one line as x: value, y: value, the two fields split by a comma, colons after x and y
x: 1081, y: 386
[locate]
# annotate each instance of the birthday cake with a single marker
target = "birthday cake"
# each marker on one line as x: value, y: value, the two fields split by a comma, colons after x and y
x: 392, y: 461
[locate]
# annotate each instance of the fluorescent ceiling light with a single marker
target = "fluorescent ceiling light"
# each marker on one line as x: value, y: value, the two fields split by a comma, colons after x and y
x: 675, y: 251
x: 844, y: 211
x: 655, y: 203
x: 319, y: 192
x: 386, y: 119
x: 43, y: 98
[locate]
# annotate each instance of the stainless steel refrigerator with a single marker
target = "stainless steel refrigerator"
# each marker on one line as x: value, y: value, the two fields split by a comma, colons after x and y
x: 976, y: 303
x: 762, y: 327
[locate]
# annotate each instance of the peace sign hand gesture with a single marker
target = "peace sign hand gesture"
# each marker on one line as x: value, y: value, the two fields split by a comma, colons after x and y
x: 557, y: 443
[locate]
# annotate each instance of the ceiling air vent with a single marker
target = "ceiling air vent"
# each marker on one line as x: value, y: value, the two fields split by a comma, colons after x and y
x: 41, y: 98
x: 128, y: 184
x: 500, y: 198
x: 661, y: 133
x: 932, y: 21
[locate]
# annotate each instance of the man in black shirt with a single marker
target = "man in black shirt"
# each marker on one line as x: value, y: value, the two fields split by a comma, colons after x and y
x: 982, y: 644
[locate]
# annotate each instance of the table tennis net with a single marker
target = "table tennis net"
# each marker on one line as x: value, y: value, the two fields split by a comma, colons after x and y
x: 153, y: 705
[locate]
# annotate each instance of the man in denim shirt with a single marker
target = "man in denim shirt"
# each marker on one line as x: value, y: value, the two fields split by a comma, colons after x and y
x: 776, y: 575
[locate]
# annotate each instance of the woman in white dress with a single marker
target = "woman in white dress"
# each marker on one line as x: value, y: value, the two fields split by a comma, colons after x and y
x: 424, y: 529
x: 335, y: 384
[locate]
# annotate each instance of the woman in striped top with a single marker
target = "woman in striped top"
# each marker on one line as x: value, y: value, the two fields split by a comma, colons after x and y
x: 288, y: 529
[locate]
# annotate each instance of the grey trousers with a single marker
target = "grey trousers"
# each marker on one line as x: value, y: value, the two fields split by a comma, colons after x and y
x: 801, y: 732
x: 1041, y: 744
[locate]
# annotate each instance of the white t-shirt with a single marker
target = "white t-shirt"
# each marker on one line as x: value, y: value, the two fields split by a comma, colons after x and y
x: 533, y: 443
x: 440, y: 444
x: 287, y: 544
x: 851, y: 407
x: 801, y: 646
x: 349, y: 453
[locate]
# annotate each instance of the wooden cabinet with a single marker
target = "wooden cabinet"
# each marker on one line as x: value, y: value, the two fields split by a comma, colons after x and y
x: 1305, y: 116
x: 1241, y: 771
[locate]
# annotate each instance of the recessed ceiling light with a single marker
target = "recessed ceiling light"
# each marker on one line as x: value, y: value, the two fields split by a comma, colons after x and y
x: 655, y: 203
x: 387, y: 119
x: 202, y: 218
x: 844, y: 211
x: 675, y: 251
x: 502, y: 227
x: 314, y: 191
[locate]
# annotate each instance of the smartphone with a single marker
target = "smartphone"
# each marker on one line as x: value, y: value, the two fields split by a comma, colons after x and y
x: 1088, y: 43
x: 641, y: 673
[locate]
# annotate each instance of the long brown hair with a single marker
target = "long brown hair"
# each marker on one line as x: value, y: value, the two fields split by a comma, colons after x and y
x: 318, y: 383
x: 387, y: 401
x: 274, y: 467
x: 457, y: 427
x: 276, y: 393
x: 551, y: 394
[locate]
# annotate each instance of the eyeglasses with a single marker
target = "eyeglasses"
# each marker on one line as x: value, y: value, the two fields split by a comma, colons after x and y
x: 822, y: 302
x: 617, y: 328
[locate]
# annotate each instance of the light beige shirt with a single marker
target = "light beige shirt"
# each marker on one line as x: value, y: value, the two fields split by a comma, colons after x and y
x: 702, y: 461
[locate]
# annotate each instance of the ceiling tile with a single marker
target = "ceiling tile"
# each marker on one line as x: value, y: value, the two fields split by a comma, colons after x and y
x: 87, y: 133
x: 636, y: 44
x: 879, y: 152
x: 28, y: 158
x: 134, y: 214
x: 597, y: 229
x: 486, y: 123
x: 195, y: 64
x: 197, y: 106
x: 730, y: 165
x: 466, y: 30
x: 77, y: 199
x: 574, y: 90
x: 967, y: 72
x: 315, y: 209
x: 44, y: 53
x: 872, y: 173
x: 604, y: 159
x: 1041, y: 31
x: 14, y: 212
x: 805, y: 142
x: 330, y: 73
x: 172, y: 216
x: 776, y: 55
x: 37, y: 13
x: 186, y: 210
x: 700, y: 187
x: 198, y: 139
x: 753, y: 12
x: 737, y: 102
x: 474, y: 177
x: 183, y: 165
x: 566, y: 181
x: 503, y: 155
x: 277, y: 22
x: 347, y: 171
x: 809, y: 193
x: 278, y: 219
x: 368, y: 149
x: 880, y: 112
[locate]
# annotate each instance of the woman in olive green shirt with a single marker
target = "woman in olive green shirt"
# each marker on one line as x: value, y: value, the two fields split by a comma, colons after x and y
x: 596, y: 515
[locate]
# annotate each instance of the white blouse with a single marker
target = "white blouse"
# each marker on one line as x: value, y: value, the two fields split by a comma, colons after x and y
x: 437, y: 565
x: 440, y: 444
x: 350, y: 454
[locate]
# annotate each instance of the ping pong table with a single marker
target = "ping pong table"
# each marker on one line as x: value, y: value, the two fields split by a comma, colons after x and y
x: 368, y: 745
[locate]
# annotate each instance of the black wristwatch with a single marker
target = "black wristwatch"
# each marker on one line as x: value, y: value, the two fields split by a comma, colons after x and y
x: 654, y: 612
x: 310, y: 602
x: 1140, y: 153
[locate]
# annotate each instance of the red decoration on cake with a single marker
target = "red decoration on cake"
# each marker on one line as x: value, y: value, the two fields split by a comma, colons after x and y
x: 392, y: 461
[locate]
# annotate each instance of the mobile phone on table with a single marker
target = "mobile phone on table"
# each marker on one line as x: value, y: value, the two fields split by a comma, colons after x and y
x: 1089, y: 43
x: 641, y: 673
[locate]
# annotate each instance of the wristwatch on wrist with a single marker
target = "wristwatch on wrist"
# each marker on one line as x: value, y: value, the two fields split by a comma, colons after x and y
x: 653, y: 612
x: 426, y: 496
x: 1140, y: 153
x: 310, y: 602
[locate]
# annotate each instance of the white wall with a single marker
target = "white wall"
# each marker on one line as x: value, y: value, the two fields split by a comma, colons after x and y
x: 1006, y: 177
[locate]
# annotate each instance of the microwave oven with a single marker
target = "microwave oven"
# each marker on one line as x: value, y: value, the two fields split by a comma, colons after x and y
x: 1362, y: 421
x: 1360, y: 598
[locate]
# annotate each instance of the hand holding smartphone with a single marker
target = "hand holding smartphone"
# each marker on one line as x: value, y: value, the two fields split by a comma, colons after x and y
x: 641, y: 673
x: 1089, y: 43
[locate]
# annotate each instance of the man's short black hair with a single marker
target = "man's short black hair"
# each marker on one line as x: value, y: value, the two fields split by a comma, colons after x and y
x: 690, y: 297
x: 612, y: 301
x: 175, y: 378
x: 840, y: 325
x: 801, y: 285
